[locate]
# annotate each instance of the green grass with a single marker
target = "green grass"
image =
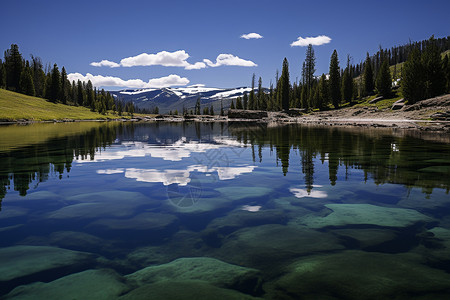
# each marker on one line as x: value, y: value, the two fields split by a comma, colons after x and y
x: 382, y: 104
x: 15, y: 106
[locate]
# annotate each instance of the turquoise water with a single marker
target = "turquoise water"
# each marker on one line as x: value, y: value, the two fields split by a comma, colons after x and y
x: 234, y: 211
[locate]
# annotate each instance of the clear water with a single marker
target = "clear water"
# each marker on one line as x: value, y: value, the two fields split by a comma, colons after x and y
x: 305, y: 212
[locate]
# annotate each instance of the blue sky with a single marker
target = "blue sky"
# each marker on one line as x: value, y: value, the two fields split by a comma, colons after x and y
x: 75, y: 34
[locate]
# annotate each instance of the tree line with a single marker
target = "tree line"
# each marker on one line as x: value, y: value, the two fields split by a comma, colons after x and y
x: 424, y: 74
x: 29, y: 77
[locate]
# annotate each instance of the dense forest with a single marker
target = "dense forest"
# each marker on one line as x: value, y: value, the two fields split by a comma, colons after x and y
x: 415, y: 71
x: 419, y: 71
x: 29, y: 77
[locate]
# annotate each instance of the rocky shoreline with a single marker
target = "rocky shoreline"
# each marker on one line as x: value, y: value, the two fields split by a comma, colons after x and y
x: 428, y: 115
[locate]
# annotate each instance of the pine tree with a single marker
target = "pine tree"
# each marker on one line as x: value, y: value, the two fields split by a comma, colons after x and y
x: 238, y: 103
x: 26, y: 84
x: 334, y: 81
x: 232, y: 104
x: 285, y: 86
x: 64, y: 86
x: 197, y: 106
x: 211, y: 110
x: 80, y: 93
x: 413, y: 84
x: 446, y: 68
x: 310, y: 64
x: 251, y: 98
x: 90, y: 97
x: 368, y: 77
x: 55, y: 84
x: 434, y: 74
x: 38, y: 75
x: 14, y: 66
x: 347, y: 83
x: 2, y: 75
x: 304, y: 97
x: 384, y: 80
x: 261, y: 99
x: 245, y: 104
x: 323, y: 92
x: 222, y: 113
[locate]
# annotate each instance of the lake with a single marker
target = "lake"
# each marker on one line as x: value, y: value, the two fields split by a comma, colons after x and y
x: 228, y: 210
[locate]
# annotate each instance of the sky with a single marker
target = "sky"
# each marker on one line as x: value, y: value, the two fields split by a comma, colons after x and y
x: 152, y: 44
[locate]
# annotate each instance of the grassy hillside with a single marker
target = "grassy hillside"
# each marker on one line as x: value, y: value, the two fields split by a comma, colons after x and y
x: 15, y: 106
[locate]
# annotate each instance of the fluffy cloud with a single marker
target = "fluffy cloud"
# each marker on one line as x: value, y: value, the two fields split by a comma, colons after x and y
x: 163, y: 58
x: 176, y: 59
x: 230, y: 60
x: 105, y: 63
x: 99, y: 80
x: 315, y: 41
x: 252, y: 35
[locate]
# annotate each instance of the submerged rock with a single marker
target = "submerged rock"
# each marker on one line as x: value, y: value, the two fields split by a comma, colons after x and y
x: 92, y: 210
x: 235, y: 220
x: 205, y: 269
x: 235, y: 193
x: 367, y: 238
x: 110, y: 196
x: 362, y: 275
x: 366, y: 214
x: 90, y: 284
x: 268, y: 246
x: 184, y: 289
x: 147, y: 221
x: 21, y: 263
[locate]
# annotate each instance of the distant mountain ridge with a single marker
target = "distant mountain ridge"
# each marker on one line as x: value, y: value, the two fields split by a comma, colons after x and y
x: 171, y: 99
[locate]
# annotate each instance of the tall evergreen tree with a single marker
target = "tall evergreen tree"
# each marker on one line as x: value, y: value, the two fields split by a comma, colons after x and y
x: 251, y: 98
x: 310, y: 66
x: 245, y: 101
x: 238, y: 103
x: 2, y: 75
x: 446, y: 68
x: 434, y: 73
x: 211, y: 110
x: 413, y: 84
x: 285, y: 85
x: 26, y: 84
x: 14, y: 66
x: 197, y: 106
x: 55, y: 88
x: 368, y: 77
x: 232, y: 104
x: 38, y: 76
x: 304, y: 97
x: 323, y: 92
x: 335, y: 80
x: 80, y: 93
x: 90, y: 97
x: 222, y: 113
x: 65, y: 86
x: 347, y: 83
x: 262, y: 104
x: 384, y: 80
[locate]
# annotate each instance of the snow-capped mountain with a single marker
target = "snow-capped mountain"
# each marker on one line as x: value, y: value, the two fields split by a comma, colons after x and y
x: 171, y: 99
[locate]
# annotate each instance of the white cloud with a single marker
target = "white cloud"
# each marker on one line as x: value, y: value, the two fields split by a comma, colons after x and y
x: 252, y: 35
x: 105, y: 63
x: 315, y: 41
x: 301, y: 193
x: 99, y: 80
x: 196, y: 66
x: 230, y: 60
x: 163, y: 58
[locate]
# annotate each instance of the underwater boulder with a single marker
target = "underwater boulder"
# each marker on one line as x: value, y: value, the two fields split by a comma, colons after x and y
x: 90, y: 284
x: 206, y: 269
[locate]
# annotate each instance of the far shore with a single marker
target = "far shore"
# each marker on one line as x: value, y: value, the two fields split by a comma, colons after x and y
x: 428, y: 115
